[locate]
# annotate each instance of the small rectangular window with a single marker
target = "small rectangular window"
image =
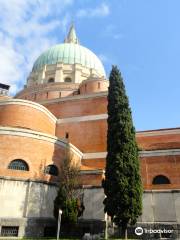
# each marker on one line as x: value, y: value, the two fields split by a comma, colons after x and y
x: 9, y: 231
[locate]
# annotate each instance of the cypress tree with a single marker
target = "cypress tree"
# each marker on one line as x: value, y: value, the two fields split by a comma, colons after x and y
x: 122, y: 183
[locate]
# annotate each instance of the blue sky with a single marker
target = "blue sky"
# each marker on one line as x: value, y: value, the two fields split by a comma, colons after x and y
x: 141, y: 37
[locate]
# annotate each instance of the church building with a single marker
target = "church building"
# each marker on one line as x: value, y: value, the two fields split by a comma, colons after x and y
x: 64, y: 105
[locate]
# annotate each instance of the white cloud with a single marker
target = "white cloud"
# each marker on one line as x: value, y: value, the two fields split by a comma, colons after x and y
x: 25, y: 31
x: 99, y: 11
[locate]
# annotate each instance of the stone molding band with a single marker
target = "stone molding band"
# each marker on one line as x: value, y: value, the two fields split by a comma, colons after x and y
x: 73, y: 98
x: 23, y: 94
x: 158, y: 132
x: 5, y: 178
x: 93, y: 172
x: 21, y: 132
x: 153, y: 153
x: 94, y: 155
x: 83, y: 118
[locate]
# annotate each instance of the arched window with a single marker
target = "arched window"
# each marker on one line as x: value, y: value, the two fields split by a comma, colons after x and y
x: 67, y: 79
x: 18, y: 164
x: 160, y: 179
x: 51, y: 170
x: 50, y: 80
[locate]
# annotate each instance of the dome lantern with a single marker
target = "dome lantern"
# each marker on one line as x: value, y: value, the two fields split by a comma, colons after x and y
x: 71, y: 37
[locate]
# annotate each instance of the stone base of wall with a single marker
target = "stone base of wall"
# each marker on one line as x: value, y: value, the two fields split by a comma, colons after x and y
x: 46, y: 227
x: 30, y: 227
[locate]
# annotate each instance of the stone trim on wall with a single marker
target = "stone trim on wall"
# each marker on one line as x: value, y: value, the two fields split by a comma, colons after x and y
x: 162, y: 191
x: 94, y: 155
x: 29, y: 104
x: 153, y: 153
x: 32, y: 134
x: 58, y: 86
x: 40, y: 136
x: 87, y: 172
x: 158, y: 132
x: 75, y: 97
x: 83, y: 118
x: 76, y: 150
x: 27, y: 180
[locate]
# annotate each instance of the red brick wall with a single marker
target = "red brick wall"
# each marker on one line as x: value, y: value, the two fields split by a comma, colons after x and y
x: 36, y: 153
x: 93, y: 86
x: 76, y: 108
x: 98, y: 163
x: 26, y: 117
x: 166, y: 141
x: 86, y: 136
x: 168, y: 166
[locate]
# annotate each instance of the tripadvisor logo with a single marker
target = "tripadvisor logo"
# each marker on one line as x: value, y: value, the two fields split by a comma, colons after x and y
x: 139, y: 231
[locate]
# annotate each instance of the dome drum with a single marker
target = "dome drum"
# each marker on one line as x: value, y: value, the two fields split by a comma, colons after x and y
x: 59, y: 72
x: 48, y: 91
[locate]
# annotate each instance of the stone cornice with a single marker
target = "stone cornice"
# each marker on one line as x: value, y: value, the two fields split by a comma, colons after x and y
x: 47, y: 87
x: 76, y: 150
x: 74, y: 98
x: 83, y: 118
x: 165, y: 152
x: 21, y: 132
x: 162, y: 191
x: 158, y: 132
x: 153, y: 153
x: 94, y: 155
x: 92, y: 172
x: 27, y: 180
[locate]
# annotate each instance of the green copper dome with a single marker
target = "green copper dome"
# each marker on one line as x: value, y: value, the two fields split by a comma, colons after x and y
x: 69, y: 52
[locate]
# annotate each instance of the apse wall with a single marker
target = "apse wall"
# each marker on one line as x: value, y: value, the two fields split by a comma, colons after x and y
x: 27, y: 133
x: 36, y: 149
x: 28, y: 115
